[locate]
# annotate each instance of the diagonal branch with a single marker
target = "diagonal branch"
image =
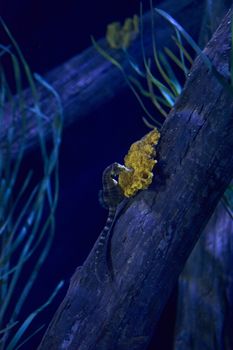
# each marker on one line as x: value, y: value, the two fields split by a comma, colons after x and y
x: 157, y: 230
x: 205, y: 305
x: 88, y: 81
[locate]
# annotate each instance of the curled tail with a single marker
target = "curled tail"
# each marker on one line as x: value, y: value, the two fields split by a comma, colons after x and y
x: 102, y: 271
x: 111, y: 197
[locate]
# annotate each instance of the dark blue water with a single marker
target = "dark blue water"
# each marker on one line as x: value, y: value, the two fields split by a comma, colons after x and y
x: 50, y: 33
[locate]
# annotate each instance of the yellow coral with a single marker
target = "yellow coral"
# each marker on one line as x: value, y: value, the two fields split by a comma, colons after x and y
x: 120, y: 37
x: 141, y: 159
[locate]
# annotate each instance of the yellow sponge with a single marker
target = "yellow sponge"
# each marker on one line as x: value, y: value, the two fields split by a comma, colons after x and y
x: 141, y: 159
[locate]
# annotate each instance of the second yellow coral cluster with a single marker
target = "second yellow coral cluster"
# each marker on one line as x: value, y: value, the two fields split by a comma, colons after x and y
x: 141, y: 159
x: 120, y: 37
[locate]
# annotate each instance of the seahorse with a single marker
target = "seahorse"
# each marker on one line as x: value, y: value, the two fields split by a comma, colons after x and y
x: 111, y: 196
x: 119, y: 182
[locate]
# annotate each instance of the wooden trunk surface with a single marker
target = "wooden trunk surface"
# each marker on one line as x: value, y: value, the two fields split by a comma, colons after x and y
x: 205, y: 303
x: 156, y: 231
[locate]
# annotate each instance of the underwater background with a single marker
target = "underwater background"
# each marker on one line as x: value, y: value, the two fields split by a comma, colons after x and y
x: 49, y: 33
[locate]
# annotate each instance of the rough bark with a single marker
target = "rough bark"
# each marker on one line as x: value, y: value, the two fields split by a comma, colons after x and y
x: 213, y: 14
x: 205, y: 302
x: 204, y: 316
x: 88, y: 80
x: 157, y: 229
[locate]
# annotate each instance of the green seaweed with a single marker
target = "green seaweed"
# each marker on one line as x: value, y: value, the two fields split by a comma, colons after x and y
x: 224, y: 81
x: 161, y: 89
x: 164, y: 88
x: 27, y: 211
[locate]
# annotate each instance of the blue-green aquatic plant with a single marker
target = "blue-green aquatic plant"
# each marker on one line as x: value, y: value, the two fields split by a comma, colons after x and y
x: 163, y: 87
x: 27, y: 211
x: 225, y: 81
x: 163, y: 90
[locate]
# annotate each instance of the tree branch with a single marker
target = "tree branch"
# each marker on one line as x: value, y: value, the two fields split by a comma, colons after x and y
x: 205, y: 310
x: 156, y: 231
x: 88, y: 80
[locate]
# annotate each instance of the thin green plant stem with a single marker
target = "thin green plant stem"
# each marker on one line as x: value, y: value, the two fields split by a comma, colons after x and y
x: 185, y: 52
x: 113, y: 61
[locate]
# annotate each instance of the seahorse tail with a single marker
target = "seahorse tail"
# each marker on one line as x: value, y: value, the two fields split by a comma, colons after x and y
x: 101, y: 269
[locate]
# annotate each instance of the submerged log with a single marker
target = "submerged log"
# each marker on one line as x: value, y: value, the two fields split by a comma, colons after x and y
x: 205, y: 304
x: 88, y: 81
x: 204, y: 317
x: 157, y: 229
